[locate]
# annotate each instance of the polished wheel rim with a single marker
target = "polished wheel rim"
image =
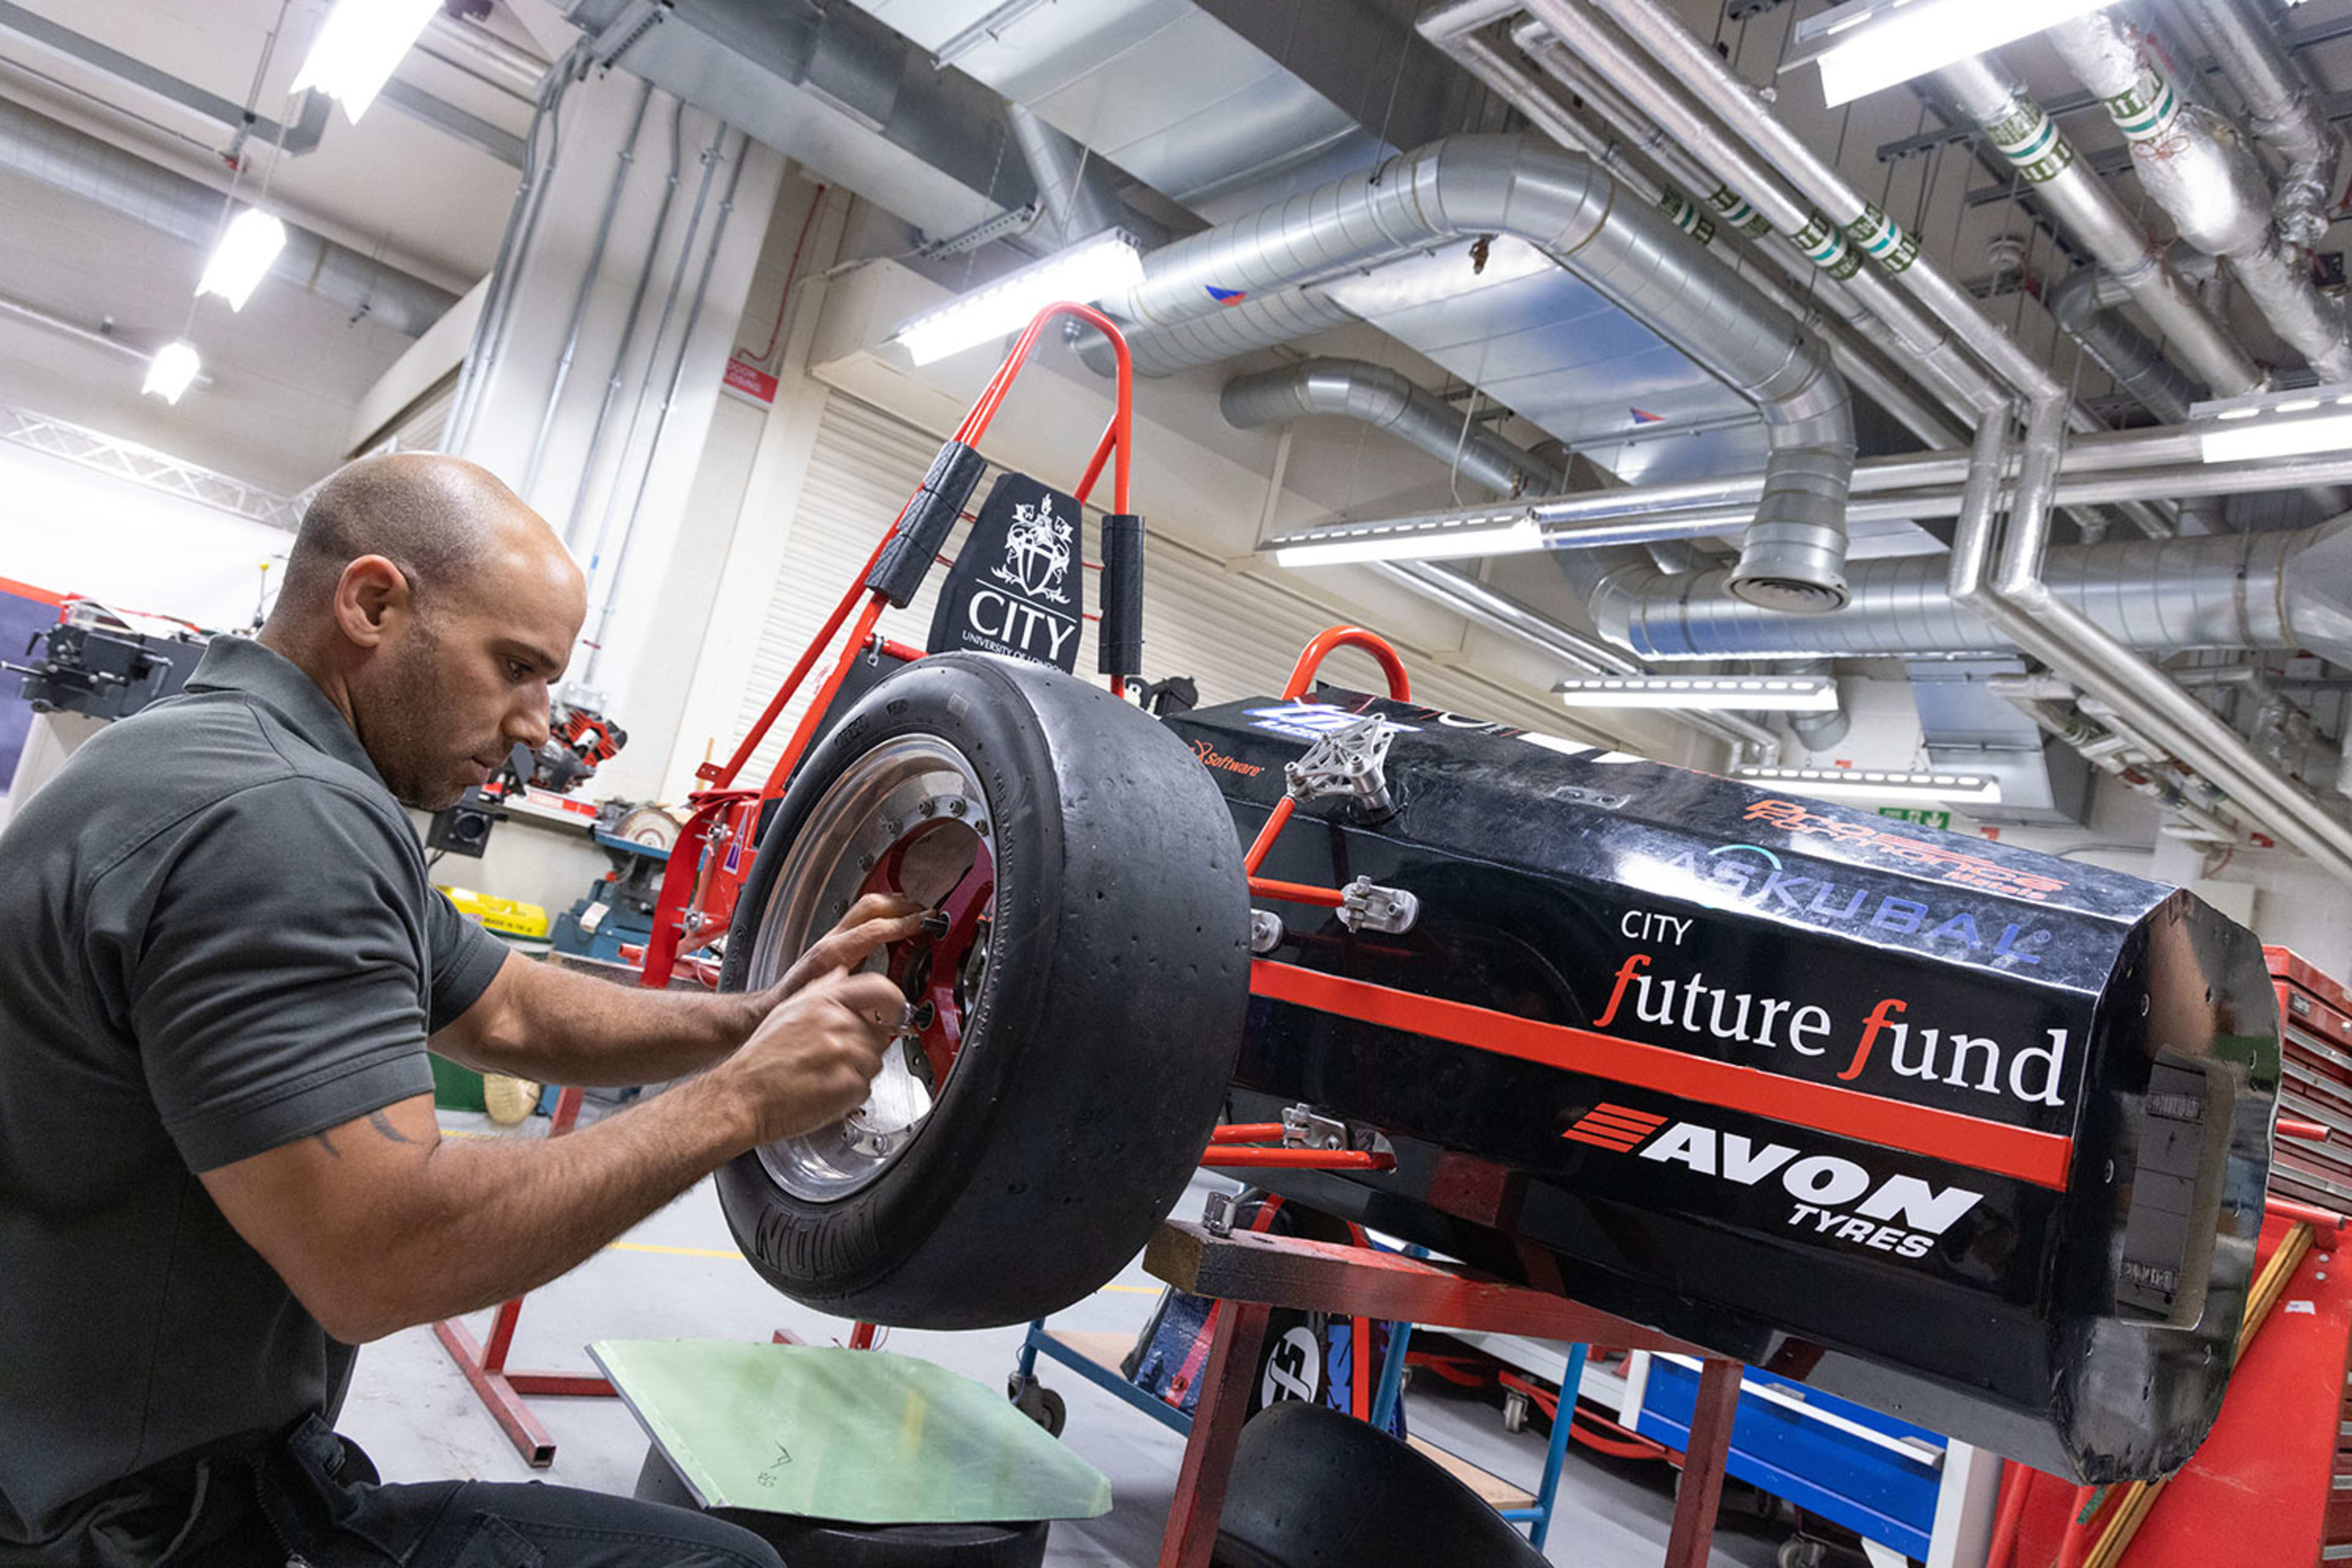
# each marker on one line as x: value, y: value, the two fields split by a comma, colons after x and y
x: 909, y: 816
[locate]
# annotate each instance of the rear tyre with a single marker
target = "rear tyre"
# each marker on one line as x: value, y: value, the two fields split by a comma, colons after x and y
x: 1083, y: 996
x: 1314, y: 1488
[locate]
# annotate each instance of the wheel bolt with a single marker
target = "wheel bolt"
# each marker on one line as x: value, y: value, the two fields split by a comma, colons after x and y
x: 935, y: 924
x: 929, y: 807
x: 922, y: 1016
x: 957, y: 807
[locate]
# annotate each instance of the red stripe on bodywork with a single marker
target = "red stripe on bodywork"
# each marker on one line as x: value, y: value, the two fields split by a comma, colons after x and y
x: 2041, y: 1158
x: 1620, y: 1123
x: 1583, y: 1137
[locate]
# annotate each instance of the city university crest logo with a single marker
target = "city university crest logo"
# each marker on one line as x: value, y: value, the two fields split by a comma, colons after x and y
x: 1037, y: 551
x: 1017, y: 589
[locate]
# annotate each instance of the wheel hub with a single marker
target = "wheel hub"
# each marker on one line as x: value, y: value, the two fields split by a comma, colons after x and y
x: 909, y: 818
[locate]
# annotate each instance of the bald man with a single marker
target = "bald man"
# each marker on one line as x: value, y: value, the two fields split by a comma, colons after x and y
x: 219, y: 1166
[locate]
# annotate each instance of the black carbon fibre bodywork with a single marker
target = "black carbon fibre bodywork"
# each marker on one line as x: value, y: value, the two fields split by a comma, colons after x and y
x: 1974, y: 1136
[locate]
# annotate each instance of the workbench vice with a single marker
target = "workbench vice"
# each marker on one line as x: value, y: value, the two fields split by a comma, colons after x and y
x: 1252, y: 1273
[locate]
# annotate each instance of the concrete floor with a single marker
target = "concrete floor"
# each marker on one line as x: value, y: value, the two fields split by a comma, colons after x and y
x: 677, y: 1276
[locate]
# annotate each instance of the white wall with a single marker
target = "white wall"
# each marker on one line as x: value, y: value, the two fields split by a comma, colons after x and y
x: 75, y: 530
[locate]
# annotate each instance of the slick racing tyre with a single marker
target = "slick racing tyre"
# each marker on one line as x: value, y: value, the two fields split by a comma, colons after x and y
x: 1079, y: 999
x: 1313, y: 1488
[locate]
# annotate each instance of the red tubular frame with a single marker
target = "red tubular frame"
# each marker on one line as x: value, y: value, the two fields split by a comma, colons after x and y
x: 1327, y: 642
x: 1226, y: 1156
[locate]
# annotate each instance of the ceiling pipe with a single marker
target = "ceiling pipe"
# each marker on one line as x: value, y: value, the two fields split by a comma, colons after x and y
x: 2283, y: 109
x: 541, y: 155
x: 2279, y: 589
x: 1463, y: 188
x: 2056, y: 633
x: 1850, y: 330
x: 1473, y: 601
x: 1712, y: 162
x: 2016, y: 127
x: 2200, y: 169
x: 2136, y: 365
x: 1850, y: 333
x: 1378, y: 395
x: 1744, y: 184
x: 66, y: 160
x: 1356, y: 389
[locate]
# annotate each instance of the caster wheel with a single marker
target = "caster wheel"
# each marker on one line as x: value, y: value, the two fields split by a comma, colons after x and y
x: 1041, y: 1405
x: 1515, y: 1412
x: 1798, y: 1553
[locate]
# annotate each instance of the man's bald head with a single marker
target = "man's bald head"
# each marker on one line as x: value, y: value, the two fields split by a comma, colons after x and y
x: 436, y: 608
x: 441, y: 520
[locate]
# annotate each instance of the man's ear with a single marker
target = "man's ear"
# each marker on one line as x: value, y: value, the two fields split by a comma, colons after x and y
x: 371, y: 594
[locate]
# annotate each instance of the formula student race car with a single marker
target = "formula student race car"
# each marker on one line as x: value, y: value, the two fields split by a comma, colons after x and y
x: 1973, y: 1136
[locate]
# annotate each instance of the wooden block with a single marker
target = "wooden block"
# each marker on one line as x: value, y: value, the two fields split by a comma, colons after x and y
x: 1493, y: 1491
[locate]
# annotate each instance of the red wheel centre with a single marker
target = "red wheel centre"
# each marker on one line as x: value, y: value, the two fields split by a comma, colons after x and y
x: 927, y: 969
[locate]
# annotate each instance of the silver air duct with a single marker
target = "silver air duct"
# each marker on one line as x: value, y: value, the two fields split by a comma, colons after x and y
x: 1078, y: 199
x: 1358, y: 389
x: 2279, y: 589
x: 1793, y: 553
x: 2201, y: 172
x: 65, y: 159
x: 2088, y: 211
x: 2136, y: 365
x: 2282, y: 112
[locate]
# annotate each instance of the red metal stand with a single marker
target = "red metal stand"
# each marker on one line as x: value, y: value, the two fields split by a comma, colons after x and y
x: 485, y: 1365
x: 1248, y: 1273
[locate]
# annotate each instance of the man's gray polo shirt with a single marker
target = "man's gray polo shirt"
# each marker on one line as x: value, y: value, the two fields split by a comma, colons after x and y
x: 220, y: 939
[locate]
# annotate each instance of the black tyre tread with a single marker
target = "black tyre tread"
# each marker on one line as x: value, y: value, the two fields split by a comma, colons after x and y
x: 1098, y: 1058
x: 1312, y: 1487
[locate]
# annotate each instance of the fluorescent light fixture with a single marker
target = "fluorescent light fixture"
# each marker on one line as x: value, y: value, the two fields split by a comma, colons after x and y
x: 354, y: 53
x: 1869, y: 786
x: 1403, y: 542
x: 1867, y: 44
x: 1734, y: 693
x: 247, y: 249
x: 172, y: 370
x: 1085, y: 273
x: 2275, y: 425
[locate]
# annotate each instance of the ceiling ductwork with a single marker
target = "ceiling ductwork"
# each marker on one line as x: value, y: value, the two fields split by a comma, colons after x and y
x: 1467, y: 187
x: 2199, y: 170
x: 851, y: 98
x: 66, y: 160
x: 2090, y: 215
x: 1079, y: 201
x: 2136, y: 365
x: 2283, y: 109
x: 1375, y: 394
x: 2281, y: 590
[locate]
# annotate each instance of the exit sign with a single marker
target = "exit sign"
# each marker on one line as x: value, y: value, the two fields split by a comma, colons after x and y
x: 1919, y: 815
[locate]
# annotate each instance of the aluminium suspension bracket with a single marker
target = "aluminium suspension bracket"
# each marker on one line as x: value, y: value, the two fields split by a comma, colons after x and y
x: 1348, y: 761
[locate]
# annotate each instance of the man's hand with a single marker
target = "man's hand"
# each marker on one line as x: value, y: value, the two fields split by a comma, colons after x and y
x: 872, y: 923
x: 809, y: 1062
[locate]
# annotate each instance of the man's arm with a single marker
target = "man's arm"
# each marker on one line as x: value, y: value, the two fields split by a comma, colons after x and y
x: 378, y: 1224
x: 552, y: 1025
